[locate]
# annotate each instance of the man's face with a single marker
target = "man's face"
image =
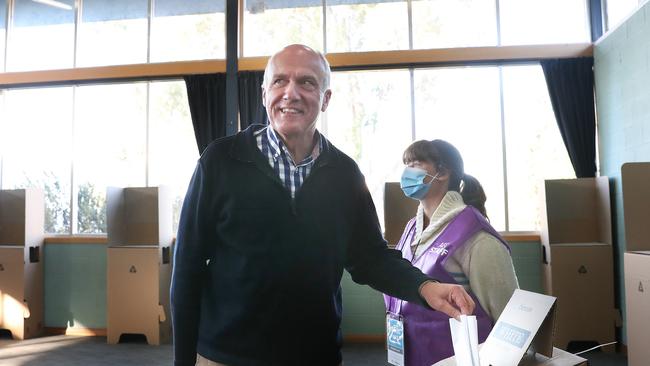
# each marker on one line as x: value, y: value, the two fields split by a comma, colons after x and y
x: 292, y: 93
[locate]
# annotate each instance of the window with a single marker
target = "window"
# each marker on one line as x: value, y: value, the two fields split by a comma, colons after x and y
x: 172, y: 145
x: 461, y: 106
x: 543, y: 22
x: 112, y: 32
x: 374, y: 25
x: 363, y: 26
x: 445, y: 24
x: 369, y: 119
x: 74, y: 142
x: 270, y: 25
x: 182, y: 30
x: 534, y: 147
x: 117, y: 32
x: 618, y: 10
x: 36, y: 139
x: 42, y: 36
x: 3, y: 32
x: 109, y: 147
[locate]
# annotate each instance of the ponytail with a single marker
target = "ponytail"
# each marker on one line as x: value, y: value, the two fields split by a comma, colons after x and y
x: 473, y: 193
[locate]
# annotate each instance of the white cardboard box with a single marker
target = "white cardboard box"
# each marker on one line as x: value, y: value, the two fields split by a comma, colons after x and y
x: 637, y: 305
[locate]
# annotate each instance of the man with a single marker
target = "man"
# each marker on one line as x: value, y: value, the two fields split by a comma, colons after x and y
x: 271, y: 218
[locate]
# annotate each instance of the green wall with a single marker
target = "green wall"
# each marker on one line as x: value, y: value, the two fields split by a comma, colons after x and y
x: 622, y: 78
x: 75, y: 288
x: 75, y: 285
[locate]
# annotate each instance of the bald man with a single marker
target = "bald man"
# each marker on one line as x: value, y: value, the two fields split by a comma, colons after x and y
x: 271, y: 218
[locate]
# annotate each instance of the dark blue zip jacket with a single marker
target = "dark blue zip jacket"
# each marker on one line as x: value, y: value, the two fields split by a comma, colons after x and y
x: 257, y: 274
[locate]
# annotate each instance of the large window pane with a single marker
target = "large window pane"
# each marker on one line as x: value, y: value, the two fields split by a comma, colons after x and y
x: 541, y: 22
x: 618, y: 10
x: 36, y: 140
x: 270, y: 25
x: 369, y: 118
x: 361, y: 25
x: 462, y: 106
x: 453, y: 23
x: 3, y: 31
x: 534, y: 147
x: 42, y: 36
x: 172, y: 146
x: 110, y: 146
x: 112, y: 32
x: 182, y: 30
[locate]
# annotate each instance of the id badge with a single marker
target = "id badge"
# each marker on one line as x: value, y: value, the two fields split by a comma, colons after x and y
x: 395, y: 339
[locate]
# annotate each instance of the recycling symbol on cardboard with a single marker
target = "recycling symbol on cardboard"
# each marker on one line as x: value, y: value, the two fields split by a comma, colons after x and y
x: 640, y: 286
x: 133, y: 269
x: 582, y: 269
x: 2, y: 268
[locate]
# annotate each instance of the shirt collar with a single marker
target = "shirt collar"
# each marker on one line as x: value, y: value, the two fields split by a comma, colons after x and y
x: 279, y: 149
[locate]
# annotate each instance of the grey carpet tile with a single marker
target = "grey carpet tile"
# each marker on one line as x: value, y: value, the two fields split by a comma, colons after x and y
x: 93, y: 351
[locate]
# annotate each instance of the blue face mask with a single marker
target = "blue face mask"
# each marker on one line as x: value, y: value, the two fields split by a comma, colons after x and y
x: 412, y: 182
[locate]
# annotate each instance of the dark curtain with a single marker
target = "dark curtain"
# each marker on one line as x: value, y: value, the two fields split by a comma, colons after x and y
x: 251, y: 109
x: 207, y: 99
x: 570, y: 85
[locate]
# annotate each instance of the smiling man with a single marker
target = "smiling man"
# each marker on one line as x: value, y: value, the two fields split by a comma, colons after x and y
x: 272, y: 217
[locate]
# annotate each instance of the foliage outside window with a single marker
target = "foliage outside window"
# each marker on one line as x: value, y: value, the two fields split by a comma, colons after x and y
x: 369, y: 118
x: 182, y: 30
x: 45, y: 36
x: 461, y: 105
x: 35, y: 135
x: 268, y: 26
x: 172, y: 146
x: 112, y: 32
x: 363, y: 26
x: 360, y: 25
x: 111, y: 146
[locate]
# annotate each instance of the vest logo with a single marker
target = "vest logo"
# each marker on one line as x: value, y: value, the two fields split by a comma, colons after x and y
x: 582, y: 269
x: 441, y: 249
x: 641, y: 286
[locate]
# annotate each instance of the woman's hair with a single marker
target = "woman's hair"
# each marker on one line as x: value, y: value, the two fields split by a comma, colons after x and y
x: 447, y: 158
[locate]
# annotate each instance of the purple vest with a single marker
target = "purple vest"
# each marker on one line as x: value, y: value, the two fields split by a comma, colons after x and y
x: 426, y: 332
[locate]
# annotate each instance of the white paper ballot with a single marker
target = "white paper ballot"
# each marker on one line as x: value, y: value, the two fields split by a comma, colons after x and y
x: 464, y: 336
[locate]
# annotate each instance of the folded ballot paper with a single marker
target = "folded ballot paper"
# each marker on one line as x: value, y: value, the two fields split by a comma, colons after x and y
x: 464, y: 337
x: 527, y: 319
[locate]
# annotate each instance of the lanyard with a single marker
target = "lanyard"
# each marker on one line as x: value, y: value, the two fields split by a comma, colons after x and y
x: 398, y: 305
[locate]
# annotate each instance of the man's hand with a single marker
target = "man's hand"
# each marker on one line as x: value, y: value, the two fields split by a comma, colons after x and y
x: 452, y: 300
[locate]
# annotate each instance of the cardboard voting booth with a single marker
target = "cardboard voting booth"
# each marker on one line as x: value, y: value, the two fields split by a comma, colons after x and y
x: 526, y: 324
x: 578, y: 264
x: 140, y: 233
x: 636, y: 203
x: 398, y: 210
x: 22, y: 219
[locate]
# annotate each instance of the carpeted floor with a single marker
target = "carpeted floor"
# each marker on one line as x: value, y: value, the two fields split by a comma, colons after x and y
x: 93, y: 351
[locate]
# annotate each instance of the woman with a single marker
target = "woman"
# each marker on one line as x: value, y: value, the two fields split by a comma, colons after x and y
x: 451, y: 240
